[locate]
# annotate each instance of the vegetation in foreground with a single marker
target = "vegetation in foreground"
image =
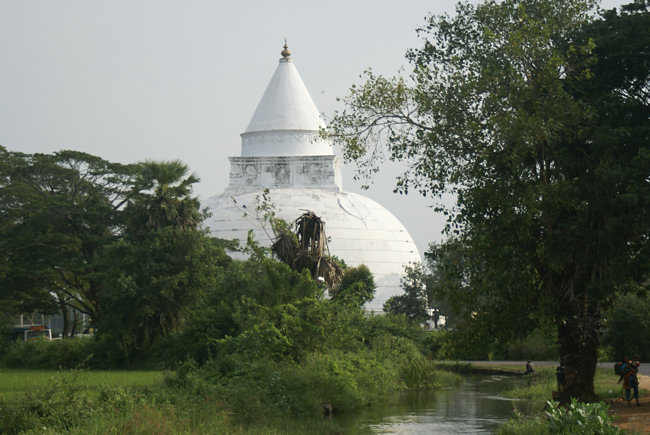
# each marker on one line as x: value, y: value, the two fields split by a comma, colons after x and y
x: 253, y: 341
x: 231, y: 394
x: 576, y: 418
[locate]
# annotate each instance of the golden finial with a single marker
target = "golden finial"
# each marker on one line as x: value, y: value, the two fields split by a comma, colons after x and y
x: 285, y: 53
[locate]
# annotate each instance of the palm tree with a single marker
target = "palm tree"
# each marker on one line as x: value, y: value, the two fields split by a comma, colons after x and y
x: 162, y: 197
x: 162, y: 217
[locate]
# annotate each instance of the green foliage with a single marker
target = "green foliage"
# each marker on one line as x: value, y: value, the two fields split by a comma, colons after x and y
x: 538, y: 345
x: 15, y: 382
x: 289, y: 351
x: 64, y: 404
x: 57, y: 213
x: 6, y: 332
x: 161, y: 198
x: 606, y: 353
x: 414, y: 302
x: 580, y: 418
x: 288, y: 355
x: 520, y: 424
x: 576, y: 418
x: 419, y: 373
x: 628, y: 328
x: 71, y: 353
x: 474, y: 344
x: 357, y: 286
x: 259, y: 388
x: 160, y: 265
x: 433, y: 344
x: 119, y: 243
x: 532, y: 115
x: 249, y: 397
x: 541, y: 387
x: 282, y: 332
x: 154, y: 283
x: 56, y: 406
x: 258, y: 286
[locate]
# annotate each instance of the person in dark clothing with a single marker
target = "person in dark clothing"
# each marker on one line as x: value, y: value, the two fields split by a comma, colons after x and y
x: 529, y: 367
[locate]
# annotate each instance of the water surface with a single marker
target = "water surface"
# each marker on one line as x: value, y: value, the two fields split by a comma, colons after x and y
x: 472, y: 408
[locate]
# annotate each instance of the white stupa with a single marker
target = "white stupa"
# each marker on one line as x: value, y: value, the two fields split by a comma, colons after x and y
x: 282, y: 151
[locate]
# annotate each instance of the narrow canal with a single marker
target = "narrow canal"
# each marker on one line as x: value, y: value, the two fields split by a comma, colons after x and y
x: 476, y: 407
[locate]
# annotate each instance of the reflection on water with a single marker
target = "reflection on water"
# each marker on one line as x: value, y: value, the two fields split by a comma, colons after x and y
x: 474, y: 407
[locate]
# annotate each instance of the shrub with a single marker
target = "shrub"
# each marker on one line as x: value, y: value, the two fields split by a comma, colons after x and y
x: 57, y: 406
x: 575, y: 419
x: 38, y: 354
x: 580, y: 418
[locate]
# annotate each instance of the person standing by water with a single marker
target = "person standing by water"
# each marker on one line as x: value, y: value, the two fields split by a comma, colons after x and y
x: 529, y: 367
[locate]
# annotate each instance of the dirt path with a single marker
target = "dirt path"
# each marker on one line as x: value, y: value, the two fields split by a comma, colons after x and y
x: 635, y: 418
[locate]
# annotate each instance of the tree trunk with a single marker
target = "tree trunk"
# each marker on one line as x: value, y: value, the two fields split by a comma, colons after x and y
x: 75, y: 322
x: 578, y: 335
x: 66, y: 320
x: 65, y: 313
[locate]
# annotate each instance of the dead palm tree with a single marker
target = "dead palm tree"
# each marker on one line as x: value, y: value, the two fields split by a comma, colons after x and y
x: 306, y: 249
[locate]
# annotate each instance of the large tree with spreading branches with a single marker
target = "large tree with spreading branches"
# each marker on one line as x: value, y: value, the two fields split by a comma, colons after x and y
x: 534, y: 115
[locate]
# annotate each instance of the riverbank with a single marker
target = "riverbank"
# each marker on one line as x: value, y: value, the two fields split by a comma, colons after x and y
x: 268, y: 398
x: 635, y: 419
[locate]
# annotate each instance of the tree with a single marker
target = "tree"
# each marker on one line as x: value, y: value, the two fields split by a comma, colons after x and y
x: 628, y: 327
x: 161, y: 262
x: 162, y: 197
x: 305, y: 248
x: 357, y: 286
x: 154, y: 282
x: 414, y: 302
x: 535, y: 116
x: 57, y: 213
x: 233, y: 302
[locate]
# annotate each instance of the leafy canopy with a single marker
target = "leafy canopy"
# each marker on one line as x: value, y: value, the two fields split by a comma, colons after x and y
x: 526, y: 112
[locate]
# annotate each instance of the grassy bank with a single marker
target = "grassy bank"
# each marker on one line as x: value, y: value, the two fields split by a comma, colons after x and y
x: 543, y: 382
x: 264, y: 398
x: 576, y: 418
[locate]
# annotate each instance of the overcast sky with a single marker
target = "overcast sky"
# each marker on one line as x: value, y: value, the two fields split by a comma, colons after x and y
x: 129, y: 80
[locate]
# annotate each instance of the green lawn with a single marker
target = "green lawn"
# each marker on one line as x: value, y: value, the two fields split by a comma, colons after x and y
x: 14, y: 382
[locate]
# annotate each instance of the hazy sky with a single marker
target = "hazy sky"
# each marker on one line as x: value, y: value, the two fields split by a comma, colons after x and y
x: 130, y: 80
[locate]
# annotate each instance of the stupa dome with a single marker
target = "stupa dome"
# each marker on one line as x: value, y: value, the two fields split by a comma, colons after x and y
x: 282, y: 151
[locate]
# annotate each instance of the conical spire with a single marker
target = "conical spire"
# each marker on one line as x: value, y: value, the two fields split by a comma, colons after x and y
x: 286, y: 121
